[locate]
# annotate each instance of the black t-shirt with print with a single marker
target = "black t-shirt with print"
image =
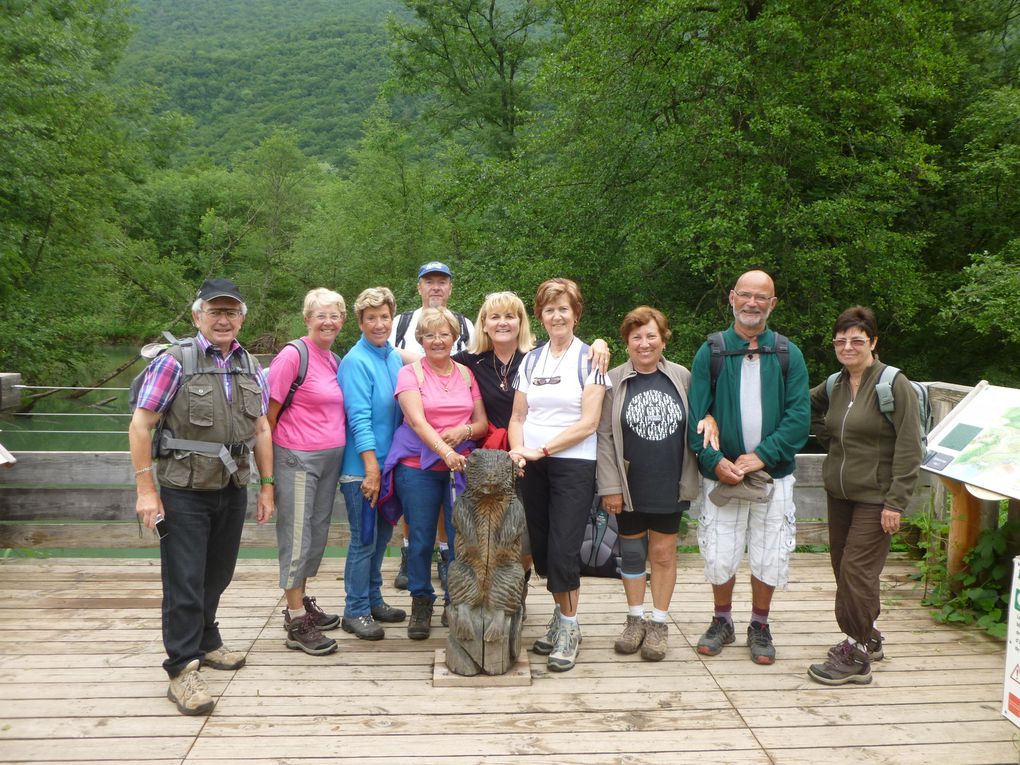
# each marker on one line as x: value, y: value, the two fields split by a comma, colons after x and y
x: 654, y: 429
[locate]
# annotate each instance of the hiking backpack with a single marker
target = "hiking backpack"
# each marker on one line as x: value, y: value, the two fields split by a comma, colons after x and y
x: 404, y: 323
x: 302, y: 349
x: 886, y: 401
x: 717, y: 343
x: 600, y: 549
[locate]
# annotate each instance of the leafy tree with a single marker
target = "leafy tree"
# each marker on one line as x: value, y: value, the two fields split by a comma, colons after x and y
x: 474, y: 59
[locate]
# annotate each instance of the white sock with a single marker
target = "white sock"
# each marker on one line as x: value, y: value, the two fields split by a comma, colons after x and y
x: 407, y: 542
x: 636, y: 611
x: 660, y: 616
x: 444, y: 545
x: 297, y: 613
x: 568, y: 619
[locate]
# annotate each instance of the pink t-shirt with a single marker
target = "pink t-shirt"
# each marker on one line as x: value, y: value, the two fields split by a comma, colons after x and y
x: 315, y: 418
x: 444, y: 409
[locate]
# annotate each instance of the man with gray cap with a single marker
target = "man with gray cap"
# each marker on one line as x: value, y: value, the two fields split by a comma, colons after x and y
x: 754, y: 382
x: 206, y: 397
x: 435, y: 285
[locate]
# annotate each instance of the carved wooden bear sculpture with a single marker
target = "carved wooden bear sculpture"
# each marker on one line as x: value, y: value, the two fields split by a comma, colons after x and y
x: 486, y: 577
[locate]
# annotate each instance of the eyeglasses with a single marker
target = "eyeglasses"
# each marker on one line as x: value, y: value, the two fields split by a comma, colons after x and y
x: 756, y: 297
x: 333, y: 317
x: 852, y: 342
x: 444, y: 336
x: 223, y: 313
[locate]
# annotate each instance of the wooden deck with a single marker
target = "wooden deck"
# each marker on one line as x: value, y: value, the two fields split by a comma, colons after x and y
x: 80, y: 654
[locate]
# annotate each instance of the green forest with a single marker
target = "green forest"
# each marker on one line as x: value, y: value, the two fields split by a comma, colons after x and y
x: 861, y: 152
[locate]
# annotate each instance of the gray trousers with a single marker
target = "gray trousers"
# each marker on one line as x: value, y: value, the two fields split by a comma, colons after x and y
x: 306, y: 484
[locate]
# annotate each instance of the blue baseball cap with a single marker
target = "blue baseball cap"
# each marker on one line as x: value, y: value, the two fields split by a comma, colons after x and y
x: 435, y: 267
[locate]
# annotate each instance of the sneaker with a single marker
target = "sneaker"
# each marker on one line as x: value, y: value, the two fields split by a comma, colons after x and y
x: 443, y: 569
x: 759, y: 639
x: 654, y: 646
x: 303, y: 635
x: 364, y: 627
x: 189, y: 692
x: 719, y: 633
x: 400, y: 580
x: 384, y: 612
x: 876, y: 650
x: 420, y: 626
x: 545, y: 644
x: 632, y: 636
x: 568, y: 643
x: 224, y: 658
x: 845, y: 664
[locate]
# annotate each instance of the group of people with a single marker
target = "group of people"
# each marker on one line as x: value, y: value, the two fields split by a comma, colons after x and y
x: 393, y: 421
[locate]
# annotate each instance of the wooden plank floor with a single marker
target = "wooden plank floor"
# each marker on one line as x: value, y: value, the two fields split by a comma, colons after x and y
x: 80, y: 681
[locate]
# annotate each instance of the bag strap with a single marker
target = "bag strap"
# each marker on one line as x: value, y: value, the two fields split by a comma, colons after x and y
x: 419, y: 373
x: 403, y: 322
x: 302, y: 351
x: 884, y: 391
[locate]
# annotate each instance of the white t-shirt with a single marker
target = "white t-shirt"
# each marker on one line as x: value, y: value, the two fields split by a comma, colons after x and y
x: 413, y: 345
x: 556, y: 404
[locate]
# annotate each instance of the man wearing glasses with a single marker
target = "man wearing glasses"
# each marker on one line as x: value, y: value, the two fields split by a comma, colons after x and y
x: 756, y: 387
x: 207, y: 398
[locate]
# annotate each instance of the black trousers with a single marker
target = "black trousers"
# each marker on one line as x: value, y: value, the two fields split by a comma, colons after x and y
x: 557, y: 493
x: 198, y: 557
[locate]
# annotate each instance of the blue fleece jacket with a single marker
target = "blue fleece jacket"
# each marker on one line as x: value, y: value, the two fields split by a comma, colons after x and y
x: 368, y: 378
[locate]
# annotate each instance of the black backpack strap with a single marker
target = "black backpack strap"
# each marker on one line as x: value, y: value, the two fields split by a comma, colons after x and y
x: 403, y: 322
x: 465, y: 331
x: 717, y: 343
x: 302, y: 351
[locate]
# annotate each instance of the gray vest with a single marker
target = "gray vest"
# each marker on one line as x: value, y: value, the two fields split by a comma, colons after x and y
x: 200, y: 412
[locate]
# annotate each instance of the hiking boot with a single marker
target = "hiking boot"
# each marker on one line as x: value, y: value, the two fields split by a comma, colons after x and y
x: 384, y: 612
x: 568, y: 643
x: 189, y: 692
x: 876, y: 646
x: 322, y: 620
x: 632, y: 636
x: 443, y: 569
x: 364, y: 627
x: 400, y: 580
x: 545, y: 644
x: 224, y: 658
x: 719, y: 633
x: 303, y: 635
x: 759, y: 639
x: 654, y: 646
x: 876, y: 651
x: 420, y: 626
x: 845, y: 664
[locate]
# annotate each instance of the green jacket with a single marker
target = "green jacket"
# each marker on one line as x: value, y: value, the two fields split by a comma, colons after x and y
x: 786, y: 407
x: 869, y: 459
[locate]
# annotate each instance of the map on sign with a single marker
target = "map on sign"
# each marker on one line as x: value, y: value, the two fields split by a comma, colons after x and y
x: 979, y: 442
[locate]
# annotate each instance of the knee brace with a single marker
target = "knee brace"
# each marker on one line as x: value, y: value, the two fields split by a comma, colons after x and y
x: 634, y: 552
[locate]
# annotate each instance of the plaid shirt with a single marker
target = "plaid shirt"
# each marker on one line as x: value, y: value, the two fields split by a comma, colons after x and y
x: 164, y: 376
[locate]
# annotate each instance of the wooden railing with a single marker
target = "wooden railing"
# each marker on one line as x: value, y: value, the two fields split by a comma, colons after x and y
x: 87, y: 500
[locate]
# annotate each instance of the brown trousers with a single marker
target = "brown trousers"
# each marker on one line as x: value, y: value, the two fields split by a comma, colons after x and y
x: 858, y: 547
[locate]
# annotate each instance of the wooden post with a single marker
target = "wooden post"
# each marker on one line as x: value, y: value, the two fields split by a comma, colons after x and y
x: 964, y: 524
x: 10, y: 397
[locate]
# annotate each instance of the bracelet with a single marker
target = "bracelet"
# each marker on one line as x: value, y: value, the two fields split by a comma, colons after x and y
x: 470, y: 430
x: 267, y: 480
x: 545, y: 451
x: 148, y: 469
x: 448, y: 453
x: 437, y: 444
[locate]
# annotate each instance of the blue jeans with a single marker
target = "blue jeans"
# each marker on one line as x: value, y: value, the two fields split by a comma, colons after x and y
x: 362, y: 572
x: 422, y: 493
x: 197, y: 558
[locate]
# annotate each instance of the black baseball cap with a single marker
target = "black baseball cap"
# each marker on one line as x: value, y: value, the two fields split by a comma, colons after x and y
x: 214, y: 288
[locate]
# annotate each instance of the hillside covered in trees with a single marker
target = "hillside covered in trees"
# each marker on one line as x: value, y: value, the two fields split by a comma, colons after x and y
x: 862, y: 153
